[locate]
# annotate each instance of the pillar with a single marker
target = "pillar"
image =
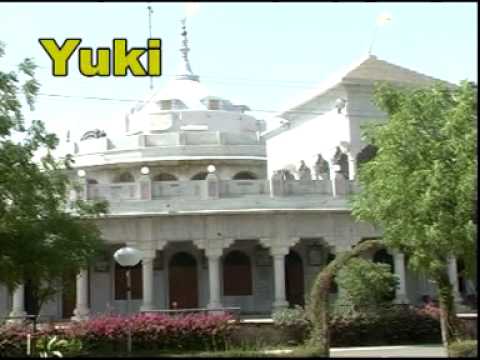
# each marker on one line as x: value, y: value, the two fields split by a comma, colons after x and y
x: 211, y: 188
x: 453, y: 276
x: 351, y: 166
x: 399, y: 267
x: 81, y: 311
x: 277, y: 185
x: 279, y: 276
x: 214, y: 278
x: 18, y: 301
x: 147, y: 283
x: 145, y: 187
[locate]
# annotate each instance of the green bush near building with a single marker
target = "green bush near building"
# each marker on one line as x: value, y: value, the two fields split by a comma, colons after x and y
x: 467, y: 348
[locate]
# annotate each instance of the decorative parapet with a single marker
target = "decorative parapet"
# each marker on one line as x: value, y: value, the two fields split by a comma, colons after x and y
x: 214, y: 188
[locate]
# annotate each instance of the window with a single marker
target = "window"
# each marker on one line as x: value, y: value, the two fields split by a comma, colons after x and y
x: 92, y: 182
x: 166, y: 104
x: 213, y: 104
x: 124, y: 178
x: 171, y: 104
x: 165, y: 177
x: 237, y: 274
x: 121, y: 282
x: 244, y: 175
x: 200, y: 176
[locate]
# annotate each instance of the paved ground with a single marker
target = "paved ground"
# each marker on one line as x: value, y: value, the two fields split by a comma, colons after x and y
x: 383, y: 351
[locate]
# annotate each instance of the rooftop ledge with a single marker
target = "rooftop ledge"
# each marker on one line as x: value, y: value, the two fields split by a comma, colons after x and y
x: 226, y: 196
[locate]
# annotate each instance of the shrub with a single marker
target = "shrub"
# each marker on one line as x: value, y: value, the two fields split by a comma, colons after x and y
x: 154, y: 331
x: 365, y: 282
x: 295, y: 316
x: 295, y: 321
x: 392, y: 325
x: 466, y: 348
x: 109, y: 334
x: 53, y: 346
x: 13, y: 339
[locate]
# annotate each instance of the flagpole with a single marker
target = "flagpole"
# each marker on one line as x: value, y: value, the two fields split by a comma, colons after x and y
x: 150, y: 11
x: 373, y: 39
x: 381, y: 20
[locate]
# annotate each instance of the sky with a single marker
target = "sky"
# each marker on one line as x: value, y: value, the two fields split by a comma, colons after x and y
x: 258, y: 54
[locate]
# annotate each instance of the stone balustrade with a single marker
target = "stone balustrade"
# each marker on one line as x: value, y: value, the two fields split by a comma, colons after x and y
x: 197, y: 189
x: 170, y: 139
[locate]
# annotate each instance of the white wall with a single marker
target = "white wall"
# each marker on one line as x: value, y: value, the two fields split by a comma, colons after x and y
x: 305, y: 141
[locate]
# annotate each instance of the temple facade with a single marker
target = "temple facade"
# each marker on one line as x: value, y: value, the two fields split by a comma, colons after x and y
x: 226, y: 212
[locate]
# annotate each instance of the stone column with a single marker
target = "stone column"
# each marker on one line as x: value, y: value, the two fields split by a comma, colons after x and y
x: 214, y: 278
x: 279, y: 276
x: 453, y: 276
x: 211, y: 189
x: 81, y: 311
x: 277, y: 185
x: 147, y: 283
x: 145, y: 184
x: 352, y: 168
x: 18, y: 306
x: 339, y: 184
x: 399, y: 267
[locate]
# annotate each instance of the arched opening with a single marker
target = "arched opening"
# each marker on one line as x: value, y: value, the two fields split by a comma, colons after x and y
x: 294, y: 279
x: 183, y: 281
x: 200, y: 176
x: 31, y: 298
x: 69, y: 294
x: 382, y: 256
x: 165, y: 177
x: 366, y: 154
x: 121, y: 282
x: 244, y: 175
x: 125, y: 177
x: 237, y: 274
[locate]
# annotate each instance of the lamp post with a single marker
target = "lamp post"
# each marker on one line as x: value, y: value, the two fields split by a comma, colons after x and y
x: 128, y: 257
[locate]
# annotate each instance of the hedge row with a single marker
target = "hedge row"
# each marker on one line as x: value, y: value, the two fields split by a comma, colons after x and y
x: 149, y: 331
x: 390, y: 325
x: 397, y: 326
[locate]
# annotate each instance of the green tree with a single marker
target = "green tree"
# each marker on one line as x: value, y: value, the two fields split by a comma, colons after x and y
x: 365, y: 283
x: 420, y: 186
x: 42, y: 234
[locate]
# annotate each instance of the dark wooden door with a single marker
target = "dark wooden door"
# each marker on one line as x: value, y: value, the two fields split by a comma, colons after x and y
x: 294, y: 279
x: 31, y: 298
x: 183, y: 281
x: 68, y: 295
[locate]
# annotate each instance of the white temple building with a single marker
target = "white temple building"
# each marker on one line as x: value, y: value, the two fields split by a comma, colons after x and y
x: 221, y: 208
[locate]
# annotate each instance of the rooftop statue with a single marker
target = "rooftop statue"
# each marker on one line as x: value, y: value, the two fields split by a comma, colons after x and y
x: 340, y: 158
x: 322, y: 168
x: 304, y: 172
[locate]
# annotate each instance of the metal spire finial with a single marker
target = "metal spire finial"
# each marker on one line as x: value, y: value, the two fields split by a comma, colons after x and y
x: 150, y: 11
x: 185, y: 70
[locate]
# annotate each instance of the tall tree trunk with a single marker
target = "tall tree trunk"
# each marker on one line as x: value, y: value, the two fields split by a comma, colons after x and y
x: 450, y: 326
x: 319, y: 296
x: 320, y: 306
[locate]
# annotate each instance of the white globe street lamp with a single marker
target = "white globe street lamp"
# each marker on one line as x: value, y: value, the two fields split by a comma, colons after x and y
x: 128, y: 257
x: 145, y: 170
x: 81, y: 173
